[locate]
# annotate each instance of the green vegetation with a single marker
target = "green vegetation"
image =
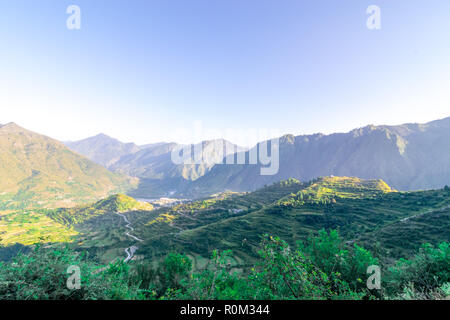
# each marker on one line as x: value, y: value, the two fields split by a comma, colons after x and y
x: 29, y: 227
x: 323, y: 267
x: 114, y: 204
x: 420, y: 276
x: 366, y: 212
x: 329, y: 189
x: 324, y: 235
x: 42, y: 275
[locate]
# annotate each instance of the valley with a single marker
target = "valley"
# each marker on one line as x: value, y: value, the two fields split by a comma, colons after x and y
x: 365, y: 212
x: 193, y: 211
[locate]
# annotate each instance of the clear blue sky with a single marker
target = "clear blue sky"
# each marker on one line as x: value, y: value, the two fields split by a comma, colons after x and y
x: 137, y: 70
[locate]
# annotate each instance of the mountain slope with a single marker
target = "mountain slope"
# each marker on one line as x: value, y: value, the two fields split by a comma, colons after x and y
x: 38, y: 171
x: 407, y: 157
x: 103, y: 149
x: 152, y: 163
x: 365, y: 211
x: 155, y: 162
x: 160, y: 176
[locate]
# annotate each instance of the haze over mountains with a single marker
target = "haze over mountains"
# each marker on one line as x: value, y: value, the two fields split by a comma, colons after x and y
x: 407, y: 157
x: 39, y: 171
x: 152, y: 163
x: 102, y: 149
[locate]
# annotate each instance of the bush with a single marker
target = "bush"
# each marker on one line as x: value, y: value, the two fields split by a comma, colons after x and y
x: 424, y: 276
x: 321, y: 268
x: 328, y: 252
x: 289, y: 274
x: 42, y: 275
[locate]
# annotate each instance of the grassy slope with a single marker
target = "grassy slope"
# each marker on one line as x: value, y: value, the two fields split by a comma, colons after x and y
x: 36, y: 171
x: 29, y: 227
x: 366, y: 212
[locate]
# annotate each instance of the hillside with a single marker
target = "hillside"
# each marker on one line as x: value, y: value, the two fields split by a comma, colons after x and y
x: 118, y: 203
x: 330, y: 189
x: 407, y: 157
x: 370, y: 216
x: 37, y: 171
x: 366, y: 212
x: 27, y: 227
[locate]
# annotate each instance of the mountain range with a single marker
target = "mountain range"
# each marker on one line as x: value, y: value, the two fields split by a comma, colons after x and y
x: 152, y: 163
x: 407, y: 157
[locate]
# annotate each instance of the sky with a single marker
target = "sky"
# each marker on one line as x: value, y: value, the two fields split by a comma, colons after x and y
x: 153, y: 70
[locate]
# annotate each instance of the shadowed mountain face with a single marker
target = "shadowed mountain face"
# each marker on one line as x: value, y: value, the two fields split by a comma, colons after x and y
x: 153, y: 163
x: 407, y: 157
x: 156, y: 162
x: 38, y: 171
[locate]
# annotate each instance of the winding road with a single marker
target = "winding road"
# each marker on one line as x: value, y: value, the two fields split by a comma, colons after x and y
x: 131, y: 250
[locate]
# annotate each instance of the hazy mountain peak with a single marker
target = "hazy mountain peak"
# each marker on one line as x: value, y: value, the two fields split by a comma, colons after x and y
x: 11, y: 126
x: 103, y: 149
x: 102, y: 135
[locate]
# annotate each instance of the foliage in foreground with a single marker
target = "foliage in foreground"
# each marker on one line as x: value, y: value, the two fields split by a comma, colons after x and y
x: 321, y: 268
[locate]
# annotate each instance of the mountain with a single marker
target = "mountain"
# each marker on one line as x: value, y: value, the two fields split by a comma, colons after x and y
x: 103, y: 149
x: 155, y: 162
x: 407, y: 157
x: 152, y: 163
x: 37, y: 171
x: 160, y: 175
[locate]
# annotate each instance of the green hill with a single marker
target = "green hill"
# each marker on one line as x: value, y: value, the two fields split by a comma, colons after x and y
x: 37, y: 171
x: 61, y: 225
x: 328, y: 189
x: 367, y: 212
x: 118, y: 203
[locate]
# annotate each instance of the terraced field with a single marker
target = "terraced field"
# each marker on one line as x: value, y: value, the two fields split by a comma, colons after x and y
x: 365, y: 212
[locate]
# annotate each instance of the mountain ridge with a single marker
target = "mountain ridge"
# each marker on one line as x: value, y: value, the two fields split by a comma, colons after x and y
x: 408, y: 157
